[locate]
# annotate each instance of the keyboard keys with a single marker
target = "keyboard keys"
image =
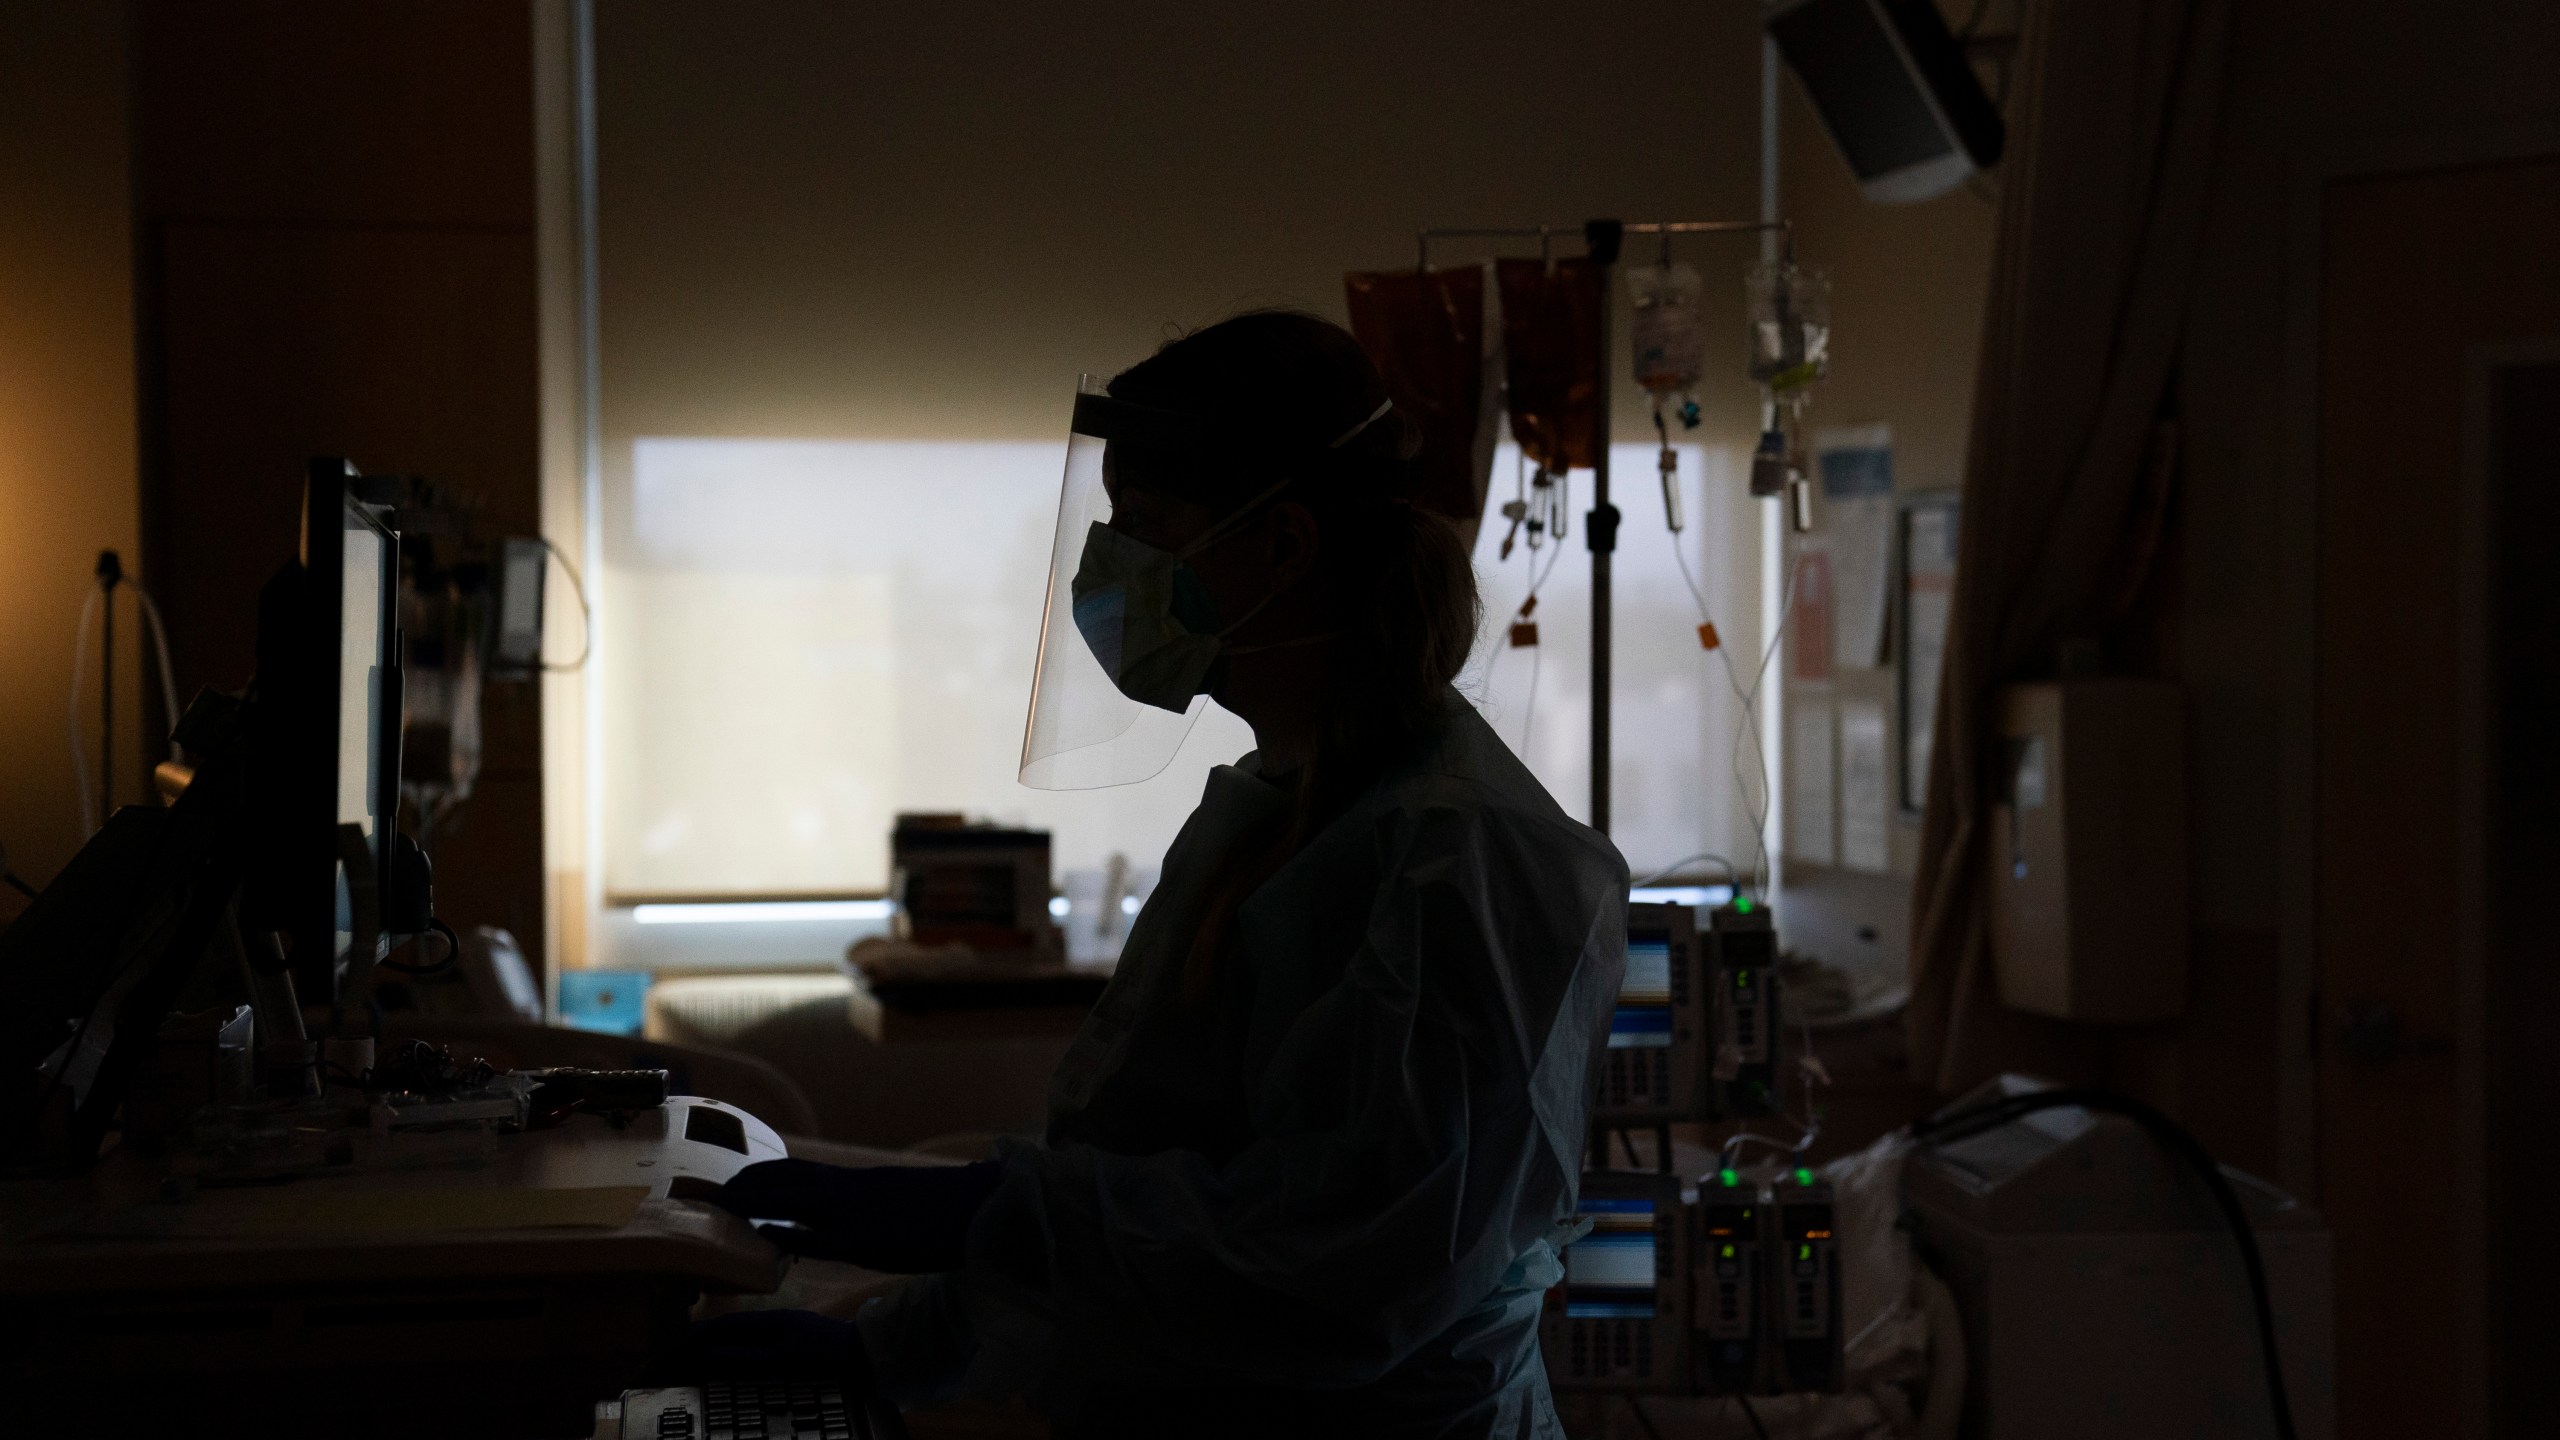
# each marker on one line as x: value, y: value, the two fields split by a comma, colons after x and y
x: 768, y: 1410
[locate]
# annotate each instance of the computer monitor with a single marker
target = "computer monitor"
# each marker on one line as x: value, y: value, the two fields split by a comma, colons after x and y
x: 327, y: 746
x: 366, y: 555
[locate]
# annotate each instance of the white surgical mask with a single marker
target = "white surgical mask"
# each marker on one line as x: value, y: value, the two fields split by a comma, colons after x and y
x: 1147, y: 617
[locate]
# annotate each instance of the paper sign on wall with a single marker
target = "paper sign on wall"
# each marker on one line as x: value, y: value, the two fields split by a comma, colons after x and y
x: 1866, y: 795
x: 1855, y: 465
x: 1809, y: 623
x: 1928, y: 593
x: 1812, y: 820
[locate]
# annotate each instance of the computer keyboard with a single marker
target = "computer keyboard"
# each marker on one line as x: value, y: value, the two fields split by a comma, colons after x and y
x: 735, y: 1410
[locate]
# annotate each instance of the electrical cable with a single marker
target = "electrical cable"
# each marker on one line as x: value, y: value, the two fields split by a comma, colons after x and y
x: 160, y: 643
x: 452, y: 954
x: 1749, y: 732
x: 10, y: 878
x: 1751, y: 705
x: 1753, y: 793
x: 1753, y: 1416
x: 2184, y: 1147
x: 1757, y: 801
x: 1544, y: 509
x: 1808, y: 1125
x: 1871, y: 1327
x: 1730, y: 873
x: 586, y: 612
x: 1636, y: 1406
x: 1733, y: 1143
x: 1537, y: 653
x: 89, y: 810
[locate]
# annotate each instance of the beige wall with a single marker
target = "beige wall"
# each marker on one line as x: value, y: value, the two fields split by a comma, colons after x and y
x: 1908, y: 283
x: 924, y: 221
x: 66, y: 407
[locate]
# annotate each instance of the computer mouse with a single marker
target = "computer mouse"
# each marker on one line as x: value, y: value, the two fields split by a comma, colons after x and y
x: 681, y: 1150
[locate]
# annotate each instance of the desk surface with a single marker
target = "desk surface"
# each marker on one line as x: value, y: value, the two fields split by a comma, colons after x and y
x: 338, y: 1314
x: 112, y: 1229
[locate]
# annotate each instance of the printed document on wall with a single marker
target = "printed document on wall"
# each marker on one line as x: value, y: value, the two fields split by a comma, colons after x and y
x: 1928, y: 593
x: 1855, y: 463
x: 1812, y: 820
x: 1866, y: 795
x: 1808, y: 635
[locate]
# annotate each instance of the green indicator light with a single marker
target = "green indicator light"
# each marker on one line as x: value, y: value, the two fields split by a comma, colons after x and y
x: 1804, y: 1252
x: 1804, y: 1177
x: 1741, y: 904
x: 1727, y: 1252
x: 1727, y: 1177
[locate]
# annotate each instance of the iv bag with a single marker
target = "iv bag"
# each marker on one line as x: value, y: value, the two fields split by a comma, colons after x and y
x: 1427, y: 333
x: 1551, y: 352
x: 1668, y: 332
x: 1790, y: 313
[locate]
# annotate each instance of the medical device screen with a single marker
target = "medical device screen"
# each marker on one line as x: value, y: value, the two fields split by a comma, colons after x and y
x: 1643, y: 1016
x: 1609, y: 1273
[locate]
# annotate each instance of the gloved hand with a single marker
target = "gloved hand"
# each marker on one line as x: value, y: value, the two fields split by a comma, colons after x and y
x: 903, y: 1219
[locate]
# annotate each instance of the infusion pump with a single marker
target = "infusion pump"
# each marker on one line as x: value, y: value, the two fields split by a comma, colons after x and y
x: 1730, y: 1286
x: 1695, y: 1033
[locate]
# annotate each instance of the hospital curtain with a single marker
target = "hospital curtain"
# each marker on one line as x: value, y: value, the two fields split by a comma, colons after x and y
x: 2112, y: 122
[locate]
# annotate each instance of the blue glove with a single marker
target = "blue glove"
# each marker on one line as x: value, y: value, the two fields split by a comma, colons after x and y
x: 902, y: 1219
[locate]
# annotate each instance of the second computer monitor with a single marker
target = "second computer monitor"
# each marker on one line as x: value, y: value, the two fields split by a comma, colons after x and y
x: 327, y: 744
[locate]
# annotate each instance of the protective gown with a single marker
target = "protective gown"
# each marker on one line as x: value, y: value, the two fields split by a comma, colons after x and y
x: 1326, y: 1195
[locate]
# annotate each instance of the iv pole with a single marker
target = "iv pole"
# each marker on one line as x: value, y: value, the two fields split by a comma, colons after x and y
x: 1602, y: 241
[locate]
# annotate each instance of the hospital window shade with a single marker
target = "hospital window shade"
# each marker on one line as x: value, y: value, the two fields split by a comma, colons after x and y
x: 812, y: 635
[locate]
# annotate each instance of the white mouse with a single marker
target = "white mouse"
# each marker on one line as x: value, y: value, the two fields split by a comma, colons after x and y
x: 682, y: 1150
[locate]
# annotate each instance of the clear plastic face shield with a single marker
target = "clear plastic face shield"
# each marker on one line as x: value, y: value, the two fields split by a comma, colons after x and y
x: 1131, y: 642
x: 1122, y: 620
